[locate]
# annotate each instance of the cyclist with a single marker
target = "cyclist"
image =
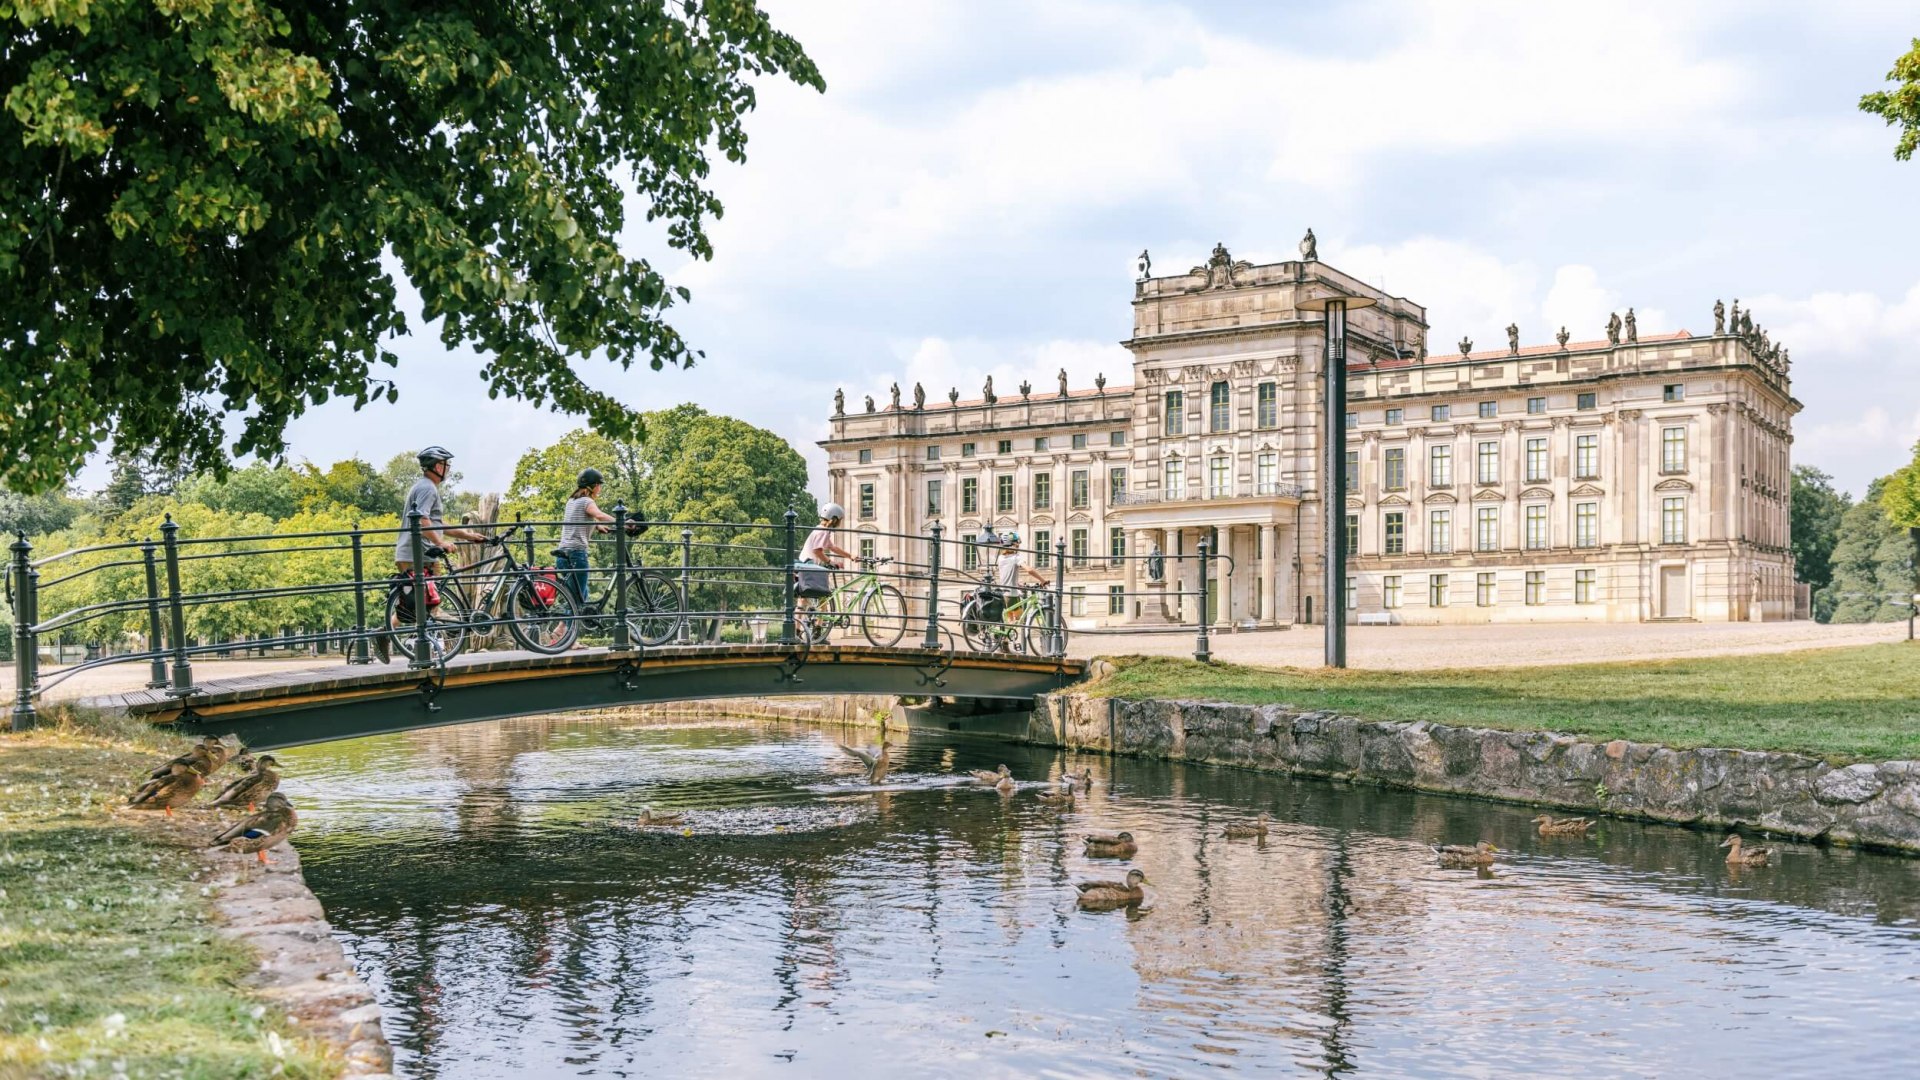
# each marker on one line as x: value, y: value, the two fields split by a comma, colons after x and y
x: 580, y: 521
x: 820, y: 548
x: 424, y: 499
x: 1008, y: 571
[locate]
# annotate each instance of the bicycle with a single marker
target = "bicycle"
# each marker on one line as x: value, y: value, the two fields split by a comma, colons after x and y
x: 882, y: 610
x: 1029, y: 622
x: 654, y: 611
x: 538, y: 606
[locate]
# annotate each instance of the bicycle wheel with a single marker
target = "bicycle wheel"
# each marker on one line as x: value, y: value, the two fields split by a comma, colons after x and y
x: 542, y: 626
x: 446, y: 626
x: 654, y: 615
x: 883, y: 616
x: 975, y: 629
x: 1044, y: 634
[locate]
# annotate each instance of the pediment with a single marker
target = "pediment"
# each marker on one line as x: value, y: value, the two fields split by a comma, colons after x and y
x: 1394, y: 500
x: 1039, y: 519
x: 1675, y: 484
x: 969, y: 523
x: 1355, y: 502
x: 1492, y: 494
x: 1005, y: 523
x: 1536, y: 493
x: 1079, y: 517
x: 1585, y: 490
x: 1445, y: 497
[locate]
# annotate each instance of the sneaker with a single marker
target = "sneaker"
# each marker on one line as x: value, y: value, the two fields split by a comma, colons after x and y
x: 382, y: 648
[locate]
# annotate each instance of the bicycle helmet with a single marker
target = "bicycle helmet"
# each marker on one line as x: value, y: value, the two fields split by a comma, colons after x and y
x: 1009, y: 539
x: 433, y: 455
x: 833, y: 512
x: 589, y: 477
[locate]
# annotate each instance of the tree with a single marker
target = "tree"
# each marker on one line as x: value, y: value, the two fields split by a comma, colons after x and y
x: 37, y: 515
x: 135, y: 476
x: 1902, y: 495
x: 1872, y: 565
x: 351, y: 483
x: 260, y: 488
x: 201, y: 198
x: 1900, y: 106
x: 1816, y: 513
x: 403, y: 469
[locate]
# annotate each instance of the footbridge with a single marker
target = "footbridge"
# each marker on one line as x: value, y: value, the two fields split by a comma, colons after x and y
x: 664, y: 612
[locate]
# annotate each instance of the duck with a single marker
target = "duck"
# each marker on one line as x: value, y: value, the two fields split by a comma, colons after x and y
x: 205, y: 758
x: 1243, y: 831
x: 991, y: 779
x: 1110, y: 894
x: 648, y: 817
x: 1739, y: 856
x: 1118, y: 845
x: 1573, y: 826
x: 876, y: 761
x: 1460, y: 855
x: 1061, y: 798
x: 255, y: 833
x: 259, y: 782
x: 1083, y: 780
x: 177, y: 787
x: 244, y: 760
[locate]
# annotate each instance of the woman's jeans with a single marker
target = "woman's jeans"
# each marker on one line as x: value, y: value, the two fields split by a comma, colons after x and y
x: 572, y: 564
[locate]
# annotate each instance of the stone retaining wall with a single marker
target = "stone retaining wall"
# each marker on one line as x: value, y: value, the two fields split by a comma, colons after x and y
x: 1871, y: 805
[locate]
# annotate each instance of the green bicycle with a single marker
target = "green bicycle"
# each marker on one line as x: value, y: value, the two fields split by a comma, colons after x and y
x: 881, y: 609
x: 1028, y: 621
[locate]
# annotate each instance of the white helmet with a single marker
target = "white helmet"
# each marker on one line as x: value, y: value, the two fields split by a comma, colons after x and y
x: 833, y: 512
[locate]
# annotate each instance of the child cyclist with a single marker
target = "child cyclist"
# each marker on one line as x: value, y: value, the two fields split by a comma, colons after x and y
x: 820, y: 548
x: 1008, y: 573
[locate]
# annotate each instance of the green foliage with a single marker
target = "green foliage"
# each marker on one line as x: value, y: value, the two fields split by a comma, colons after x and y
x: 1901, y: 496
x: 267, y: 490
x: 350, y: 483
x: 1817, y: 509
x: 1872, y: 565
x: 1900, y: 107
x: 37, y: 515
x: 200, y: 199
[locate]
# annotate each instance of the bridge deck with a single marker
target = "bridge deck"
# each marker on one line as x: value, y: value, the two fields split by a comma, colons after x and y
x: 293, y: 707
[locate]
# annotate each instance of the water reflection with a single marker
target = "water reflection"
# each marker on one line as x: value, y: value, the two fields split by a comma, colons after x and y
x: 491, y: 883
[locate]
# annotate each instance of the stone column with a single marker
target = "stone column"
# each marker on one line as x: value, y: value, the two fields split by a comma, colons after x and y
x: 1269, y: 554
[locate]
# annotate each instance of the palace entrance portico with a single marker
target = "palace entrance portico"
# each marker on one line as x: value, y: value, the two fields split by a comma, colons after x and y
x: 1254, y: 583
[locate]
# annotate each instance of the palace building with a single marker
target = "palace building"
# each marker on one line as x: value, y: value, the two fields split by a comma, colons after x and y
x: 1627, y: 479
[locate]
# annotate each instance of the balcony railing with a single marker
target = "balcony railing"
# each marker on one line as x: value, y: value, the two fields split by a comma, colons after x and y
x: 1207, y: 494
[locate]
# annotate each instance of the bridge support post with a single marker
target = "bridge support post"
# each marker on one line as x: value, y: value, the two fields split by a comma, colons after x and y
x: 156, y: 640
x: 25, y: 646
x: 684, y: 633
x: 622, y: 636
x: 422, y: 648
x: 786, y: 569
x: 176, y: 611
x: 357, y: 652
x: 1202, y: 651
x: 1058, y: 646
x: 932, y: 640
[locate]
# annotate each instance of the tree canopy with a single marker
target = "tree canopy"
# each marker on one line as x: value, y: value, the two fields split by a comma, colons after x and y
x: 1900, y: 106
x: 1901, y: 497
x: 1873, y: 564
x: 198, y: 203
x: 1816, y: 511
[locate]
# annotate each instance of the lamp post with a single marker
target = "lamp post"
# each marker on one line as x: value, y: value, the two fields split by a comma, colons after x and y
x: 1333, y: 490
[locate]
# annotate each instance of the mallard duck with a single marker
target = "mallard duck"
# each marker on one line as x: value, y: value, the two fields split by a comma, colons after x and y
x: 648, y: 817
x: 877, y: 761
x: 1083, y: 780
x: 1061, y: 798
x: 205, y: 758
x: 1739, y: 856
x: 991, y: 779
x: 250, y: 789
x: 177, y: 787
x: 255, y: 833
x: 1118, y: 845
x: 1113, y: 893
x: 1573, y: 826
x: 1243, y: 831
x: 1460, y: 855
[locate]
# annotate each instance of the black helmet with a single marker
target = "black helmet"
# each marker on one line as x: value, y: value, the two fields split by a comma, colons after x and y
x: 589, y: 477
x: 433, y: 455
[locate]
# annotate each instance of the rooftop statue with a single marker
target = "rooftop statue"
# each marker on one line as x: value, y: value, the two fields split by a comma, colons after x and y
x: 1720, y: 317
x: 1100, y: 382
x: 1633, y: 327
x: 953, y: 397
x: 1025, y: 389
x: 869, y: 402
x: 1513, y: 339
x: 1613, y: 328
x: 1063, y: 382
x: 1309, y: 248
x: 987, y: 391
x: 1466, y: 346
x: 896, y: 396
x: 1563, y: 337
x: 839, y: 402
x: 1143, y: 266
x: 919, y: 397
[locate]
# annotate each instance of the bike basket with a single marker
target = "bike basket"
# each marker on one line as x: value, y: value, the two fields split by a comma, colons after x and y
x: 811, y: 581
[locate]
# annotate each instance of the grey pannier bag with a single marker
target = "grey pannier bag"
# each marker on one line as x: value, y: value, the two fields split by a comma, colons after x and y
x: 811, y: 581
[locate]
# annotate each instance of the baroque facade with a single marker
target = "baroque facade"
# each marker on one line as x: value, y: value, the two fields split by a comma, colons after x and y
x: 1624, y: 479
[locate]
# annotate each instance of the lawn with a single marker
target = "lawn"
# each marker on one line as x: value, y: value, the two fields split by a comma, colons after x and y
x: 1851, y: 704
x: 109, y: 963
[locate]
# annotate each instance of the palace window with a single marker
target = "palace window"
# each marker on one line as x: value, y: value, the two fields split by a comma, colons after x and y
x: 969, y: 551
x: 1673, y: 450
x: 1585, y: 401
x: 1486, y: 528
x: 1117, y: 545
x: 1674, y: 392
x: 1353, y: 420
x: 1043, y: 548
x: 1040, y: 444
x: 1395, y: 531
x: 967, y: 449
x: 1353, y: 470
x: 1536, y: 406
x: 1673, y: 520
x: 1439, y: 531
x: 1441, y: 412
x: 1353, y: 593
x: 1489, y: 410
x: 1537, y: 532
x: 1004, y: 446
x: 1394, y: 416
x: 1220, y: 407
x: 1174, y: 486
x: 970, y: 496
x: 866, y: 547
x: 1436, y: 590
x: 1173, y: 418
x: 1440, y: 467
x: 1390, y: 591
x: 866, y: 457
x: 933, y: 453
x: 1116, y: 438
x: 1486, y: 590
x: 935, y: 497
x: 1079, y: 547
x: 1218, y: 482
x: 1266, y: 411
x: 1077, y: 601
x: 866, y: 502
x: 1536, y: 460
x: 1266, y: 472
x: 1003, y: 494
x: 1116, y: 599
x: 1586, y: 525
x: 1043, y: 491
x: 1353, y: 534
x: 1394, y: 476
x: 1586, y: 457
x: 1487, y: 462
x: 1081, y: 489
x: 1080, y: 441
x: 1536, y: 588
x: 1116, y: 486
x: 1583, y: 586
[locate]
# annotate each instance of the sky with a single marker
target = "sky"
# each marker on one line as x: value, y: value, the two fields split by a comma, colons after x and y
x: 969, y: 194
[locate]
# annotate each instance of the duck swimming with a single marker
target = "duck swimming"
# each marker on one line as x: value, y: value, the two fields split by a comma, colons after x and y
x: 1739, y: 856
x: 1550, y: 826
x: 1243, y: 831
x: 649, y: 818
x: 1118, y: 845
x: 1112, y: 894
x: 991, y: 779
x: 1460, y: 855
x: 877, y: 761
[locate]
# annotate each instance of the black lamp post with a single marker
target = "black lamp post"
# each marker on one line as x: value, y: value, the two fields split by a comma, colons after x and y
x: 1333, y: 490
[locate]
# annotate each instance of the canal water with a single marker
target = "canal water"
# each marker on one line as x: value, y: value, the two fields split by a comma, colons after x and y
x: 489, y: 882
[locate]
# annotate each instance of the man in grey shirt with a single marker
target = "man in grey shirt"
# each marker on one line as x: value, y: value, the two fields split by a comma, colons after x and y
x: 424, y: 499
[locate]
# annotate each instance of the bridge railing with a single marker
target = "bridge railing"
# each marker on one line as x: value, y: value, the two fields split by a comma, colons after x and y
x: 166, y: 603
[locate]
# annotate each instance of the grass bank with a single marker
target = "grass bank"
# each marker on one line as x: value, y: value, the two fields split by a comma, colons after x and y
x: 1849, y: 704
x: 109, y: 962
